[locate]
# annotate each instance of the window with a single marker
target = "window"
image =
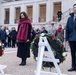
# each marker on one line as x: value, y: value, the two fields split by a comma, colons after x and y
x: 30, y: 12
x: 7, y: 13
x: 17, y: 14
x: 42, y: 17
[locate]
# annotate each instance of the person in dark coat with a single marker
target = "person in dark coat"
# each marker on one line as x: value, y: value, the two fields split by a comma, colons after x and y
x: 13, y: 35
x: 33, y: 34
x: 37, y: 31
x: 59, y: 13
x: 23, y: 38
x: 3, y: 36
x: 71, y: 36
x: 9, y: 39
x: 44, y: 30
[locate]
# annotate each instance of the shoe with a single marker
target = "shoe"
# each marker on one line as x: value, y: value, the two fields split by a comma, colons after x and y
x: 22, y: 64
x: 72, y: 69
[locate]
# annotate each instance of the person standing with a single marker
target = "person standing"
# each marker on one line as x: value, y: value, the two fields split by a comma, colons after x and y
x: 3, y: 36
x: 8, y: 37
x: 33, y: 34
x: 71, y: 36
x: 59, y: 13
x: 52, y: 30
x: 13, y: 35
x: 23, y: 38
x: 60, y: 33
x: 43, y: 30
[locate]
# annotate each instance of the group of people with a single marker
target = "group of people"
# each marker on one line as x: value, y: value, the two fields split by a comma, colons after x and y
x: 25, y: 34
x: 57, y: 32
x: 8, y: 37
x: 71, y: 35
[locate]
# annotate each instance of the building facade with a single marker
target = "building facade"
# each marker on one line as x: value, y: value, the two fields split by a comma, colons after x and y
x: 40, y: 12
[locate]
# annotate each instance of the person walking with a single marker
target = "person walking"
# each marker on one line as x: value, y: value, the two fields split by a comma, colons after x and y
x: 71, y: 36
x: 23, y: 38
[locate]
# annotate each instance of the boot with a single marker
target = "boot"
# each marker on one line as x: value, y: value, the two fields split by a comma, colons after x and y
x: 23, y: 62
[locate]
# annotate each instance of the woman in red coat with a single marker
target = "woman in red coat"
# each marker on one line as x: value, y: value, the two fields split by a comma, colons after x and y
x: 23, y: 38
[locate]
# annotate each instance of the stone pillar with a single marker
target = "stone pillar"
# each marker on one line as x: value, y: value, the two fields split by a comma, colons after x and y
x: 38, y: 12
x: 12, y: 15
x: 35, y: 12
x: 23, y: 8
x: 65, y: 5
x: 1, y: 15
x: 71, y: 3
x: 49, y: 10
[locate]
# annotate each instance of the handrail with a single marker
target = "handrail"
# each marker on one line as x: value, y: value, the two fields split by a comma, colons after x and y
x: 68, y: 11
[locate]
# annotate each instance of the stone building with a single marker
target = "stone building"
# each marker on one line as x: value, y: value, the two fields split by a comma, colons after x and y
x: 40, y: 12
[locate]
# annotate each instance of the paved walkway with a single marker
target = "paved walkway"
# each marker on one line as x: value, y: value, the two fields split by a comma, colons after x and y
x: 9, y: 58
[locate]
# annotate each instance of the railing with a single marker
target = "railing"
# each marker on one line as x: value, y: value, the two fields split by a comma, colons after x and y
x: 64, y: 15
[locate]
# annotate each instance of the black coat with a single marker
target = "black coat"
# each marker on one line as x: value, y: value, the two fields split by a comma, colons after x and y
x: 59, y: 13
x: 13, y: 34
x: 33, y: 34
x: 24, y: 47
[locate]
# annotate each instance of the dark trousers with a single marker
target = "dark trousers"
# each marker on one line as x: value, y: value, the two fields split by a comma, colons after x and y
x: 13, y: 43
x: 9, y: 42
x: 59, y: 17
x: 73, y: 52
x: 23, y: 59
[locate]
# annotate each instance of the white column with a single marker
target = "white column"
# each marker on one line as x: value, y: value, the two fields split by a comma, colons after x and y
x: 1, y: 15
x: 23, y: 8
x: 49, y: 10
x: 64, y: 7
x: 71, y: 3
x: 0, y: 12
x: 12, y: 15
x: 35, y: 12
x: 38, y: 12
